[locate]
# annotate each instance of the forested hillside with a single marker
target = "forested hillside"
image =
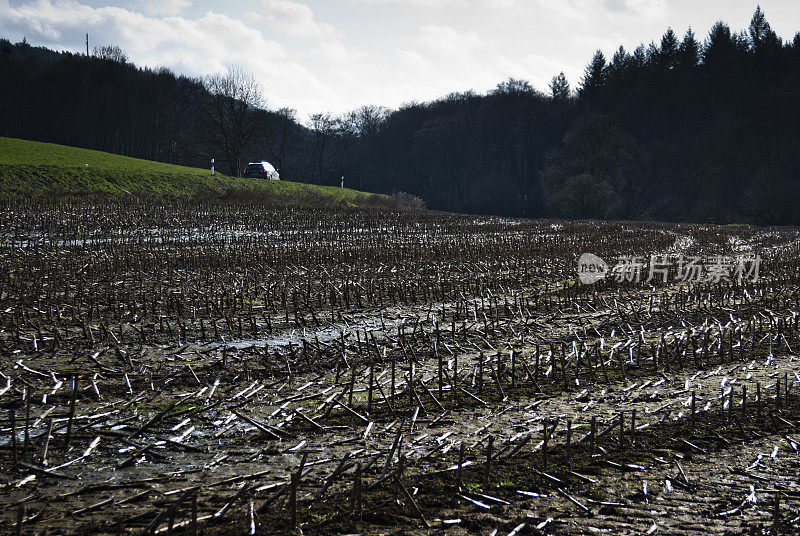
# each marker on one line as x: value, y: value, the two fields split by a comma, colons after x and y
x: 686, y: 128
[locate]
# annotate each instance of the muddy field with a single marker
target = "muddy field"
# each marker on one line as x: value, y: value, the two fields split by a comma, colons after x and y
x: 232, y: 370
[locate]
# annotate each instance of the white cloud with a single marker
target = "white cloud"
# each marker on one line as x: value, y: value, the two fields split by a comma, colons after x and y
x: 541, y: 69
x: 294, y: 18
x: 164, y: 7
x: 431, y: 62
x: 575, y: 10
x: 650, y: 9
x: 590, y: 12
x: 316, y: 55
x: 607, y: 43
x: 440, y: 60
x: 195, y: 47
x: 446, y: 43
x: 297, y: 20
x: 421, y: 3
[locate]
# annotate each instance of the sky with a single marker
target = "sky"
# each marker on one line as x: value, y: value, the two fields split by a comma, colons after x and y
x: 336, y: 55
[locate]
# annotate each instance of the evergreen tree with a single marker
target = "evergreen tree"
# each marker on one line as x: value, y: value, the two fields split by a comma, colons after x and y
x: 639, y: 58
x: 620, y: 67
x: 720, y: 47
x: 653, y: 56
x: 668, y: 53
x: 689, y: 52
x: 762, y: 37
x: 594, y: 78
x: 559, y: 88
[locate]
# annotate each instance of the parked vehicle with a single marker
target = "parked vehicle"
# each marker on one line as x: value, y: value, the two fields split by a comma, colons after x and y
x: 261, y: 170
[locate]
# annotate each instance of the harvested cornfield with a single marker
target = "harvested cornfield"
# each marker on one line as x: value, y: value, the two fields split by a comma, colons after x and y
x: 187, y: 369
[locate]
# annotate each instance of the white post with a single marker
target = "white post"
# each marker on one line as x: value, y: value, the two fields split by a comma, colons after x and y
x: 342, y: 181
x: 212, y: 166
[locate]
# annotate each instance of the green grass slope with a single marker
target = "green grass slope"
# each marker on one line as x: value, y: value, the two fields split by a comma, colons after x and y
x: 30, y: 169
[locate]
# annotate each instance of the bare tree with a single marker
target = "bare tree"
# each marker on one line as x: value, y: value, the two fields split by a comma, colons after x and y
x: 365, y: 121
x: 278, y: 140
x: 323, y: 127
x: 234, y: 98
x: 111, y: 53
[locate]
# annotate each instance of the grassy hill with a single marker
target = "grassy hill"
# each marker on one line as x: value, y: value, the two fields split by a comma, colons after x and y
x: 41, y: 170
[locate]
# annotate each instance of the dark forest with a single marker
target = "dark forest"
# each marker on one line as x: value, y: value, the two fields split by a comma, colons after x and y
x: 687, y: 128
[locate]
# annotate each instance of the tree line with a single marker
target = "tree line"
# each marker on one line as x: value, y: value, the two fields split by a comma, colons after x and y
x: 683, y: 129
